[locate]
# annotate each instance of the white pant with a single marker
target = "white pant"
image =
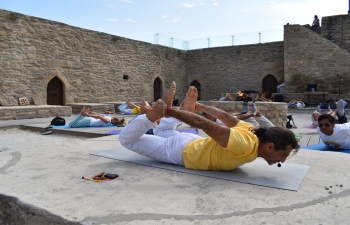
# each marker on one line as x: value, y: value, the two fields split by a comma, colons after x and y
x: 165, y: 149
x: 166, y: 127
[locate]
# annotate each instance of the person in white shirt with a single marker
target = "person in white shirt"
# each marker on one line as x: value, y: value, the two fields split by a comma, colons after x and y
x: 336, y: 136
x: 92, y: 119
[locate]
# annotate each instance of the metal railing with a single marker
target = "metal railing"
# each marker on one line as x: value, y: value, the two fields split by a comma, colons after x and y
x: 219, y: 41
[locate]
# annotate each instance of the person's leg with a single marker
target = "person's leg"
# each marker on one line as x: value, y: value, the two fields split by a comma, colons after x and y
x: 123, y: 108
x: 264, y: 122
x: 340, y: 107
x: 253, y: 122
x: 167, y: 127
x: 80, y: 121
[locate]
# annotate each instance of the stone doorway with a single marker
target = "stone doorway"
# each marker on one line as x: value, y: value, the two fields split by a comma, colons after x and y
x: 269, y: 84
x: 157, y: 89
x: 55, y: 92
x: 198, y: 86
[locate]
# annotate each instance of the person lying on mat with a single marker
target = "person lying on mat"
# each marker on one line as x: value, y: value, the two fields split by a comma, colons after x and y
x: 336, y: 136
x: 93, y: 119
x: 225, y: 148
x: 338, y: 114
x: 123, y: 108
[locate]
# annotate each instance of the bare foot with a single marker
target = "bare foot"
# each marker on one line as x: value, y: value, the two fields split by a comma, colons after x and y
x: 191, y: 99
x: 157, y: 112
x: 182, y: 105
x: 84, y: 112
x: 145, y: 107
x: 169, y: 95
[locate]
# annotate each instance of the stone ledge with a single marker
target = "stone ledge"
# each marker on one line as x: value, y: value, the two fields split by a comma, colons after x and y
x: 33, y: 111
x: 276, y: 112
x: 94, y: 107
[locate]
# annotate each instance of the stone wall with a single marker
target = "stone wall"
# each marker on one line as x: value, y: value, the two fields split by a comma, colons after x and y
x: 337, y: 30
x: 310, y: 58
x: 236, y: 67
x: 32, y: 112
x: 90, y: 64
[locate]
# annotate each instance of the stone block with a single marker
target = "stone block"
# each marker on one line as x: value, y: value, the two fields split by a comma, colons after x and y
x: 23, y: 101
x: 8, y: 100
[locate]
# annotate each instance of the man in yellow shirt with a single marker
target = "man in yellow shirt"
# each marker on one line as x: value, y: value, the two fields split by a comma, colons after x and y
x: 226, y: 148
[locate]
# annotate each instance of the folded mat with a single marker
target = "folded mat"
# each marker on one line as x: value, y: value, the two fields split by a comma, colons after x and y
x: 190, y: 130
x: 310, y: 127
x: 323, y: 147
x: 258, y: 172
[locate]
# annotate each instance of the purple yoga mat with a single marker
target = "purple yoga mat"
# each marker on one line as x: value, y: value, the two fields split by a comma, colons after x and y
x: 310, y: 127
x: 189, y: 130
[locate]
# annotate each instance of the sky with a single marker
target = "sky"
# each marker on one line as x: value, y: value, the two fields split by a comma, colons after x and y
x: 195, y: 21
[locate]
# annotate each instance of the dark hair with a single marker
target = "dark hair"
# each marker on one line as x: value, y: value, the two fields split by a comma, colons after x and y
x: 281, y: 137
x: 118, y: 122
x: 328, y: 117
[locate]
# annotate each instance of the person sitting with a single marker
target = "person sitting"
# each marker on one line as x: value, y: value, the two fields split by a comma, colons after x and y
x: 316, y: 22
x: 93, y: 119
x: 226, y: 148
x: 123, y: 108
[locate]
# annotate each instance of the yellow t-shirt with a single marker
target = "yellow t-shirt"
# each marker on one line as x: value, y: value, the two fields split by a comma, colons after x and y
x: 207, y: 154
x: 136, y: 110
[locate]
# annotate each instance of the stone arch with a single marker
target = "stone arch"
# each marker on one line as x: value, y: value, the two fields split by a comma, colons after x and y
x: 279, y: 79
x: 269, y: 84
x: 41, y: 97
x: 199, y: 88
x: 150, y: 88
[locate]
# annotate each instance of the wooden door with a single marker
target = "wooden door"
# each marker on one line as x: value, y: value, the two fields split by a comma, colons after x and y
x: 157, y: 90
x: 269, y: 84
x: 55, y: 92
x: 198, y: 86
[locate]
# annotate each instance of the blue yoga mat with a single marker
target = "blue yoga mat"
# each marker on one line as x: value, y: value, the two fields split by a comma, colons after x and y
x: 323, y: 147
x: 190, y: 130
x: 68, y: 127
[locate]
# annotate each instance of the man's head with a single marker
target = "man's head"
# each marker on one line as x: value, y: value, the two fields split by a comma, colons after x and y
x: 326, y: 123
x: 276, y: 144
x: 117, y: 122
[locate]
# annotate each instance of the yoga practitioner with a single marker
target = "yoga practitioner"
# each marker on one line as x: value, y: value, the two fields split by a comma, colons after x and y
x: 334, y: 135
x: 93, y: 119
x: 226, y: 148
x: 135, y: 109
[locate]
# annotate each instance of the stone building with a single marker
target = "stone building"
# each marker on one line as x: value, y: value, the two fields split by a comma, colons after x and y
x: 56, y: 64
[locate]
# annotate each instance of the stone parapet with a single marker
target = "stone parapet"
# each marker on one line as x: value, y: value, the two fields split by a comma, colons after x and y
x: 31, y: 112
x: 94, y: 107
x: 276, y: 112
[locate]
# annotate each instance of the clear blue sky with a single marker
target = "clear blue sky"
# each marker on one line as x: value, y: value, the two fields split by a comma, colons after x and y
x: 192, y: 19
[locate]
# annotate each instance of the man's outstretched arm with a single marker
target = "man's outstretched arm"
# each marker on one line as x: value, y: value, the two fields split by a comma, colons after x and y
x: 214, y: 130
x: 227, y: 119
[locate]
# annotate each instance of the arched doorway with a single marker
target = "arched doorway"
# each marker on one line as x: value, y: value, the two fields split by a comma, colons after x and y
x: 157, y: 89
x: 198, y: 86
x: 55, y: 92
x: 269, y: 84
